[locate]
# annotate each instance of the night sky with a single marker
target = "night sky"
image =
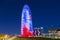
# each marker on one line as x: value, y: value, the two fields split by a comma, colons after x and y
x: 44, y: 14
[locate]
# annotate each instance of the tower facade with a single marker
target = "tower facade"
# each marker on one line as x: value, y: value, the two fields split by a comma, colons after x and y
x: 26, y: 22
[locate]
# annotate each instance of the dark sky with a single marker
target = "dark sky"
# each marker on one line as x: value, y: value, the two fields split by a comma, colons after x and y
x: 44, y: 13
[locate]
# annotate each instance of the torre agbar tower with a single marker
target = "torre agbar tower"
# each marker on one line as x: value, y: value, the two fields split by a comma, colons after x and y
x: 26, y: 22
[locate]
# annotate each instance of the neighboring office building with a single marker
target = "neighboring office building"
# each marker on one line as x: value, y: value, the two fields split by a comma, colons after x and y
x: 51, y: 31
x: 38, y: 31
x: 58, y: 32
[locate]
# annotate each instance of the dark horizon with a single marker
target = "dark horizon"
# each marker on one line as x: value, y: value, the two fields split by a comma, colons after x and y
x: 44, y: 13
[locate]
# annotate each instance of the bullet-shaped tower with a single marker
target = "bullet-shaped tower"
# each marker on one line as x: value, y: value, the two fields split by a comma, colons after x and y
x: 26, y: 22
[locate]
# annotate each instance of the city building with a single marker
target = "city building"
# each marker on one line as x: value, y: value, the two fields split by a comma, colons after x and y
x: 51, y: 31
x: 26, y: 22
x: 58, y: 32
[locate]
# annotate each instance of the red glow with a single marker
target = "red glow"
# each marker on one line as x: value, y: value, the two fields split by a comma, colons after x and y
x: 26, y: 32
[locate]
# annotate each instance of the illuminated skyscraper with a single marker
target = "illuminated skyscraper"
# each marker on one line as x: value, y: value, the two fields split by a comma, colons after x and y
x: 26, y: 22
